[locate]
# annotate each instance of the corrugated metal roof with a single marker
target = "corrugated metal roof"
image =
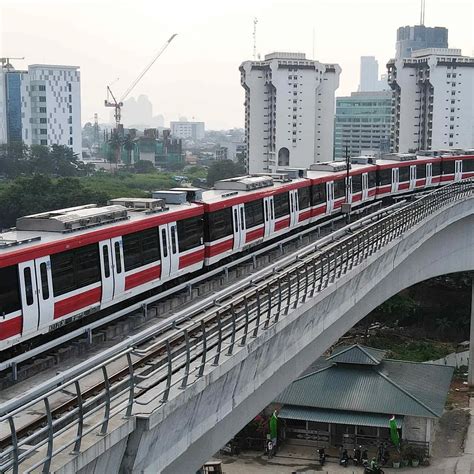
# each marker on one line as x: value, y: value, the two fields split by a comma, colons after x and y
x: 357, y: 354
x: 392, y: 387
x: 337, y: 416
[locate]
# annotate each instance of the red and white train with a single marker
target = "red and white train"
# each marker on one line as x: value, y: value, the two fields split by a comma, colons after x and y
x: 56, y: 267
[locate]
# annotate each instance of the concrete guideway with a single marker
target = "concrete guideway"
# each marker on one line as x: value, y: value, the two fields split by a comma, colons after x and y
x: 287, y: 323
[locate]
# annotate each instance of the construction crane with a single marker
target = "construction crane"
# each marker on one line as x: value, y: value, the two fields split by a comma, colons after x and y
x: 111, y: 101
x: 5, y: 62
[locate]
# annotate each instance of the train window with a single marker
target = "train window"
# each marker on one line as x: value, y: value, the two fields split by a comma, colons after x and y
x: 282, y: 205
x: 150, y: 245
x: 318, y: 194
x: 436, y: 169
x: 448, y: 167
x: 118, y: 258
x: 404, y: 174
x: 468, y: 165
x: 28, y: 286
x: 218, y: 225
x: 356, y: 183
x: 385, y: 177
x: 105, y: 255
x: 173, y: 239
x: 164, y: 242
x: 304, y: 197
x: 421, y: 171
x: 339, y: 188
x: 44, y: 280
x: 190, y: 233
x: 9, y: 294
x: 253, y: 213
x: 62, y: 267
x: 86, y: 265
x: 372, y: 179
x: 141, y: 248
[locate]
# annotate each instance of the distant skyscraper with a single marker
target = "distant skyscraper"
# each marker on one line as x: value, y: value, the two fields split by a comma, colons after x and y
x: 433, y: 100
x: 412, y: 38
x: 41, y: 106
x: 136, y: 113
x: 363, y: 123
x: 369, y: 74
x: 289, y: 111
x: 187, y: 130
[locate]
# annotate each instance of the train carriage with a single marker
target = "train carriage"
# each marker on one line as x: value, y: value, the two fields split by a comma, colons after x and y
x: 57, y: 266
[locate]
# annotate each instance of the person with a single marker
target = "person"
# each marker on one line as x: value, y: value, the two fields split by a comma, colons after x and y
x: 373, y: 464
x: 344, y: 461
x: 269, y: 449
x: 322, y: 456
x: 357, y: 455
x: 386, y: 457
x: 365, y: 458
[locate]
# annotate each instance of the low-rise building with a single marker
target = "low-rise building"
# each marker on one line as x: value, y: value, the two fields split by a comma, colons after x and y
x: 349, y: 397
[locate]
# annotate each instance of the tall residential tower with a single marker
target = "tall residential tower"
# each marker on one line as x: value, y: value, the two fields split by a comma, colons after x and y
x: 289, y: 111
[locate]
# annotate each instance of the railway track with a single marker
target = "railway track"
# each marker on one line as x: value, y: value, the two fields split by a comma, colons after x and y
x: 158, y: 362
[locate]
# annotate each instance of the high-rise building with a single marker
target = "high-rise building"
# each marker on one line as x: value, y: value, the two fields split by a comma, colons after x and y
x: 289, y: 111
x: 41, y: 106
x: 369, y: 74
x: 363, y: 123
x: 413, y: 38
x: 187, y: 130
x: 433, y: 100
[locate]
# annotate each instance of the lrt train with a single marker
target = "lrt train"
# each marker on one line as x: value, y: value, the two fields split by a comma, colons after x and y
x: 59, y: 266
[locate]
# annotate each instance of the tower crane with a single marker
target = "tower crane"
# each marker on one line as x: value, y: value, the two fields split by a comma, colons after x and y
x: 111, y: 101
x: 5, y: 62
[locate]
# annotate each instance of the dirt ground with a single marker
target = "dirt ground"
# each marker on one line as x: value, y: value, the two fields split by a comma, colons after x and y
x: 451, y: 433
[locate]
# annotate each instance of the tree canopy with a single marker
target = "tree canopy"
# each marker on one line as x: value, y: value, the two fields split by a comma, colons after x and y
x: 224, y: 169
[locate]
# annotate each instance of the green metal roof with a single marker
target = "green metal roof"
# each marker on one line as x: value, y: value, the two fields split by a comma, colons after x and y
x: 342, y: 417
x: 391, y: 387
x: 357, y: 354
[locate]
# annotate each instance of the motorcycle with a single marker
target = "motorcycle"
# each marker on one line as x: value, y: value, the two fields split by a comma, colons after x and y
x: 344, y: 461
x: 322, y: 456
x: 373, y: 470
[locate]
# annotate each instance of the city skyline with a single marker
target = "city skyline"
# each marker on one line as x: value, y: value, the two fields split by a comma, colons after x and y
x: 198, y: 76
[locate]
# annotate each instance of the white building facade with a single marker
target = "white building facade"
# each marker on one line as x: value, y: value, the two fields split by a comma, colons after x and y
x: 433, y: 100
x: 41, y: 106
x: 187, y: 130
x: 289, y: 111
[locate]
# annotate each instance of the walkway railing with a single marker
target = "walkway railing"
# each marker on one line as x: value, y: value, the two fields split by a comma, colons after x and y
x: 40, y: 425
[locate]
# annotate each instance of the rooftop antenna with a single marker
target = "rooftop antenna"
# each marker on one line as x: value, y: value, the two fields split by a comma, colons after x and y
x: 422, y: 13
x: 255, y: 21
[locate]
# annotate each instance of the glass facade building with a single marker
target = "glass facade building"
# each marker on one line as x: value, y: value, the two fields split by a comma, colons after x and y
x: 13, y: 106
x: 363, y: 123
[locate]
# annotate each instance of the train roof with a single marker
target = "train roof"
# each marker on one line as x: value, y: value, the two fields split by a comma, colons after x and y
x: 64, y: 229
x: 338, y: 169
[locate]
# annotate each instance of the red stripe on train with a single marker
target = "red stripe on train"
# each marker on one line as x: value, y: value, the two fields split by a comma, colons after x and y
x: 304, y: 215
x: 216, y: 249
x: 254, y: 234
x: 283, y: 223
x: 76, y: 302
x: 191, y: 258
x: 11, y: 327
x: 144, y: 276
x: 320, y: 210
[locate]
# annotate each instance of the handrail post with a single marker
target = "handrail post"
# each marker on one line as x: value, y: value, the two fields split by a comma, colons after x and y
x: 169, y: 372
x: 49, y: 451
x: 219, y: 340
x: 105, y: 423
x: 184, y: 382
x: 131, y: 392
x: 246, y: 325
x: 204, y: 350
x: 232, y: 337
x: 80, y: 421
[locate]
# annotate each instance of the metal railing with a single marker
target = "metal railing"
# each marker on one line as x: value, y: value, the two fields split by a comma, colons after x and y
x: 110, y: 387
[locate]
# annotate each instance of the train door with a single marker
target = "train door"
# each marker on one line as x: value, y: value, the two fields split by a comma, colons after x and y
x: 395, y: 178
x: 294, y: 207
x: 365, y: 186
x: 29, y: 296
x: 106, y: 271
x: 169, y: 250
x: 348, y: 190
x: 269, y: 215
x: 44, y: 279
x: 412, y: 177
x: 238, y: 218
x: 330, y: 196
x: 457, y: 170
x: 118, y: 266
x: 429, y: 173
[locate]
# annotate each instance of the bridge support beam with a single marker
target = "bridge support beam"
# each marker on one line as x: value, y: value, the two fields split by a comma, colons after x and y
x: 470, y: 376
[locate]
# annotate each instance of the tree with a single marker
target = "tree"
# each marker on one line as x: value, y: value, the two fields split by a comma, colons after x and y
x: 144, y: 166
x: 224, y: 169
x: 115, y: 144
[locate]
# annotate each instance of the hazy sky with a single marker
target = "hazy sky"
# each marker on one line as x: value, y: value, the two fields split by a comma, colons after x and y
x: 198, y: 75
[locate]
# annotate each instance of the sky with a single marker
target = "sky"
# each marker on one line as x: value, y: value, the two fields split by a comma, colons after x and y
x: 198, y: 75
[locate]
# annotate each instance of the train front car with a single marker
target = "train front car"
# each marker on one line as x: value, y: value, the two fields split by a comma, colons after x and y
x: 56, y: 267
x: 245, y: 211
x: 456, y: 165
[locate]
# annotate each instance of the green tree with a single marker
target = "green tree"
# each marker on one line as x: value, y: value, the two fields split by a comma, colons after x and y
x: 224, y: 169
x: 115, y: 145
x: 129, y: 146
x: 144, y: 166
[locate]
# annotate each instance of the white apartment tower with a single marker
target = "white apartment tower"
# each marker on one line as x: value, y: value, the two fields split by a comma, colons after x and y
x: 289, y: 111
x: 41, y: 106
x: 433, y: 100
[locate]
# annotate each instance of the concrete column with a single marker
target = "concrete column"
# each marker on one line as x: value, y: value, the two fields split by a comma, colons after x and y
x: 470, y: 377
